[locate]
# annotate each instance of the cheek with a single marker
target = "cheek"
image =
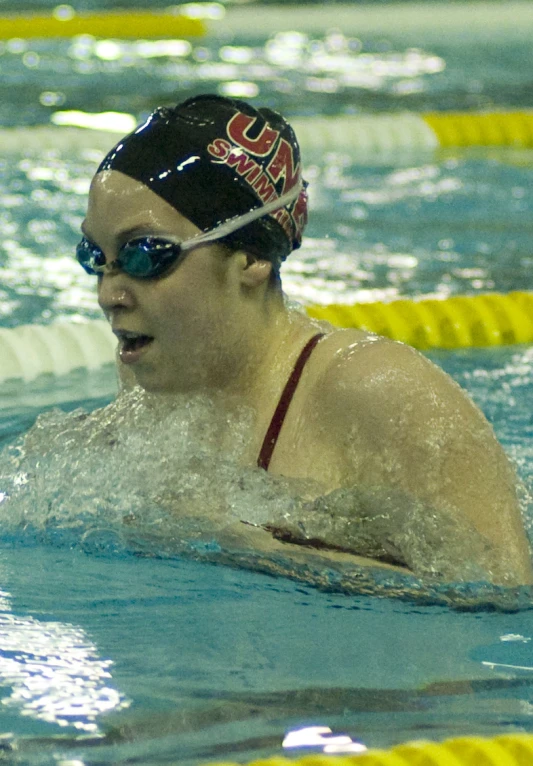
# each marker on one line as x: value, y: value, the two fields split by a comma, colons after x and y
x: 186, y: 313
x: 192, y: 303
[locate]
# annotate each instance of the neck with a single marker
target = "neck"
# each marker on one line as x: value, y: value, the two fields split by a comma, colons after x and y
x: 264, y: 357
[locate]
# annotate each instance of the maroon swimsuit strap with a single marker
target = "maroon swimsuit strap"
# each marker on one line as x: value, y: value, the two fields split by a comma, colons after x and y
x: 263, y: 461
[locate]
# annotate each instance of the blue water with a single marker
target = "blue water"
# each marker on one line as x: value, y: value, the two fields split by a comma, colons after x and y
x: 299, y: 74
x: 110, y: 656
x: 452, y: 225
x: 218, y: 662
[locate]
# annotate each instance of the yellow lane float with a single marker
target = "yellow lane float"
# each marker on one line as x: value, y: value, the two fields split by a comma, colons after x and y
x: 493, y: 319
x: 458, y: 322
x: 505, y: 750
x: 115, y: 24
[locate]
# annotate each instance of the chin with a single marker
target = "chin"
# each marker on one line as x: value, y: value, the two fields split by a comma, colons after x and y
x: 160, y: 386
x: 153, y: 384
x: 164, y: 382
x: 158, y: 389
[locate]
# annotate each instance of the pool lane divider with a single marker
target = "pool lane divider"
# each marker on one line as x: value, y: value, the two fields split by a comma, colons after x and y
x: 28, y: 351
x: 505, y: 750
x: 414, y: 21
x: 366, y: 137
x: 482, y: 129
x: 461, y: 321
x: 65, y: 22
x: 389, y: 132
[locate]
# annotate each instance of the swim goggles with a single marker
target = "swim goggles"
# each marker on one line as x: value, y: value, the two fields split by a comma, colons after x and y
x: 148, y: 257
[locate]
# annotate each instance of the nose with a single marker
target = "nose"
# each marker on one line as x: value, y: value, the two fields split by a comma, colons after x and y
x: 114, y: 293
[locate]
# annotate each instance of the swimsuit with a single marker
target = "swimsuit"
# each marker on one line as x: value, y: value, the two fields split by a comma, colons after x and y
x: 272, y: 434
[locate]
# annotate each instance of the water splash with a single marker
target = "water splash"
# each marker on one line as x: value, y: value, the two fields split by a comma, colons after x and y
x: 164, y: 476
x: 144, y: 465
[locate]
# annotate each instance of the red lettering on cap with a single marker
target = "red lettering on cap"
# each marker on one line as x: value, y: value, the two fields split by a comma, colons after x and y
x: 284, y: 219
x: 220, y: 148
x: 264, y: 188
x: 282, y: 166
x: 299, y: 214
x: 241, y: 162
x: 238, y: 128
x: 254, y: 172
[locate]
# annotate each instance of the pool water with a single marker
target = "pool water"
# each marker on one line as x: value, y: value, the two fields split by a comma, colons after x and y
x: 117, y: 652
x: 196, y: 661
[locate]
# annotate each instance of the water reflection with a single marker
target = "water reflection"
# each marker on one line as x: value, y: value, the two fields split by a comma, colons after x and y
x: 324, y: 739
x: 54, y: 671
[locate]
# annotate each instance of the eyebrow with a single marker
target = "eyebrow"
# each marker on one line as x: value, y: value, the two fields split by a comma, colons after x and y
x: 124, y: 235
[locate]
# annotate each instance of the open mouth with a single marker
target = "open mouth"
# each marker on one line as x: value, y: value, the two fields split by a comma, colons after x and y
x: 132, y: 345
x: 134, y: 342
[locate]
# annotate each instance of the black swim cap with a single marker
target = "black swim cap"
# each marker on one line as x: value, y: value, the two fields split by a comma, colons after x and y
x: 213, y: 158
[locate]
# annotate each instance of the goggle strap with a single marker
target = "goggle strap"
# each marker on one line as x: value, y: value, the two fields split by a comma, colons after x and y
x: 240, y: 221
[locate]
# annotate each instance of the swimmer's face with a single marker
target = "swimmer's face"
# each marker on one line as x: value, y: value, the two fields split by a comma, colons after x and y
x: 170, y: 328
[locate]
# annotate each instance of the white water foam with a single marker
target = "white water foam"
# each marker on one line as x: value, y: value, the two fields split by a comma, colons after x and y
x: 167, y: 475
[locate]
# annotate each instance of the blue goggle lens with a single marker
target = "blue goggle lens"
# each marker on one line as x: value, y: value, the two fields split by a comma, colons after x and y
x: 89, y: 256
x: 142, y: 258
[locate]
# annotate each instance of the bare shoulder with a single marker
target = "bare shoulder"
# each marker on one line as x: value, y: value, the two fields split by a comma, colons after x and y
x: 374, y: 377
x: 399, y: 421
x: 384, y: 398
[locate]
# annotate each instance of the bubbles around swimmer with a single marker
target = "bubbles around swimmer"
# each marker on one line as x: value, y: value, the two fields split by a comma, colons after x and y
x: 146, y: 467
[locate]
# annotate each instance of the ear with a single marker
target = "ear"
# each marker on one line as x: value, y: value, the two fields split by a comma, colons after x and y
x: 256, y: 273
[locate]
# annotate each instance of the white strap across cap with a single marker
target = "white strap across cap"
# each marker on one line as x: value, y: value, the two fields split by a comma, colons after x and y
x: 240, y: 221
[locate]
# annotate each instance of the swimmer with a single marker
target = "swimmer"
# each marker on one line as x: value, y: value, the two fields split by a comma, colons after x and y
x: 189, y: 220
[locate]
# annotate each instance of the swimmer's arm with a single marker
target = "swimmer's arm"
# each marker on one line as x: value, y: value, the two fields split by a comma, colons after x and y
x: 415, y: 434
x: 258, y: 540
x: 385, y: 525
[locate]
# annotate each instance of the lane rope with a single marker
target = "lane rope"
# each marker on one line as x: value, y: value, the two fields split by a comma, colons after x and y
x: 29, y: 351
x: 458, y: 322
x: 490, y: 129
x: 113, y: 24
x: 412, y: 21
x: 364, y: 136
x: 427, y: 131
x: 493, y: 319
x: 505, y: 750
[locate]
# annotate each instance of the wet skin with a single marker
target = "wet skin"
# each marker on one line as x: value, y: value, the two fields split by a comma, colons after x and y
x: 368, y: 413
